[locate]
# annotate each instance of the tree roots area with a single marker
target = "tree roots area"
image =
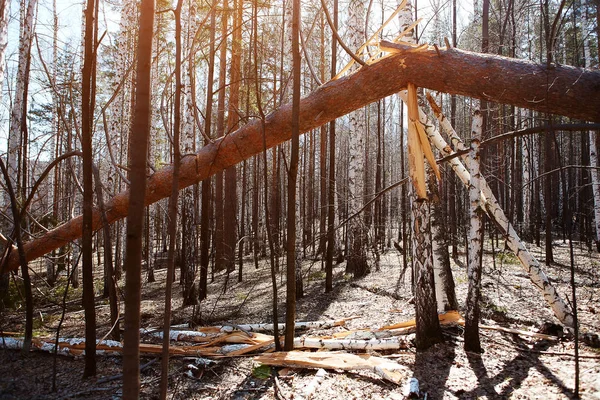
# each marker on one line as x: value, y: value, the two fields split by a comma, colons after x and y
x: 516, y: 362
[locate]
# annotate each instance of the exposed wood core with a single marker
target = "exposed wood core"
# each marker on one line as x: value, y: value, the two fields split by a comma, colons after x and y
x: 418, y: 146
x: 551, y: 89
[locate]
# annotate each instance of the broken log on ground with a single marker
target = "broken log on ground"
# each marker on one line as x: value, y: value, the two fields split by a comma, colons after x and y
x: 555, y: 89
x: 386, y: 369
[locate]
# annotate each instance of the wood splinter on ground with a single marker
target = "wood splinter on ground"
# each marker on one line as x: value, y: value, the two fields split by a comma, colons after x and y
x: 386, y: 369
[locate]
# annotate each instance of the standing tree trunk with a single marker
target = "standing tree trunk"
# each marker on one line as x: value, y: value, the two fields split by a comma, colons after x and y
x: 357, y: 235
x: 206, y: 209
x: 87, y: 113
x: 18, y: 112
x: 230, y: 200
x: 427, y: 323
x: 218, y: 197
x: 472, y: 342
x: 331, y: 186
x: 290, y: 316
x: 188, y: 144
x: 22, y: 261
x: 593, y: 136
x: 109, y: 270
x: 548, y: 197
x: 135, y: 220
x: 4, y: 16
x: 173, y: 202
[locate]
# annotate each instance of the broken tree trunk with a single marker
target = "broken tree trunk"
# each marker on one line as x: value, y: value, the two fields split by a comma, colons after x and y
x: 550, y: 89
x: 496, y: 214
x: 386, y: 369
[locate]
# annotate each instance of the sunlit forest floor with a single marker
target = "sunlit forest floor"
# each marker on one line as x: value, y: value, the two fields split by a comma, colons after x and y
x: 512, y: 366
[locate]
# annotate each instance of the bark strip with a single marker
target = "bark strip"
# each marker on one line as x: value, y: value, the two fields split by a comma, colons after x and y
x: 489, y: 77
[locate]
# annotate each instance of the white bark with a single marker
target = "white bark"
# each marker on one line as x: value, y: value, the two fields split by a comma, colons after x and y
x: 527, y: 173
x: 17, y: 113
x: 356, y: 16
x: 4, y: 16
x: 595, y: 184
x: 394, y: 343
x: 475, y: 236
x: 356, y: 157
x: 438, y: 275
x: 593, y: 148
x: 492, y: 208
x: 119, y: 118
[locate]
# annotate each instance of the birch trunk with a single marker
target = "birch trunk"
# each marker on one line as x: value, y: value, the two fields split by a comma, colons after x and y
x: 472, y: 342
x: 445, y: 293
x: 492, y: 208
x: 593, y: 142
x: 188, y: 139
x: 4, y: 16
x: 595, y: 185
x: 428, y: 326
x: 357, y: 235
x: 527, y: 174
x: 5, y: 199
x: 18, y: 112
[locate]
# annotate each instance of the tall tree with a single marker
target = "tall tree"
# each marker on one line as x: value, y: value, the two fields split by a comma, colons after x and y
x: 18, y: 120
x: 290, y: 315
x: 135, y: 220
x: 357, y: 235
x: 332, y: 174
x: 218, y: 196
x: 472, y: 342
x: 593, y: 136
x: 206, y: 209
x: 427, y: 323
x: 188, y: 143
x: 230, y: 199
x: 87, y: 118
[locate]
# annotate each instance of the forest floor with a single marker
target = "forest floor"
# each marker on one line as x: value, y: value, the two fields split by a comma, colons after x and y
x: 512, y: 366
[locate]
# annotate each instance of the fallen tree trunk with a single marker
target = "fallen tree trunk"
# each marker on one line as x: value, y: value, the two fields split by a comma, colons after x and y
x: 496, y: 214
x: 554, y: 89
x: 388, y: 370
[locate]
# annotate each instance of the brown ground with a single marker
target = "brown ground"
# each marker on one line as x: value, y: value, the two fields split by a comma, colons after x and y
x: 511, y: 366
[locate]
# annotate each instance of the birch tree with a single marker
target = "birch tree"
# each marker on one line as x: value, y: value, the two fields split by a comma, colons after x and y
x: 5, y: 200
x: 428, y: 327
x: 19, y: 108
x: 357, y: 235
x: 188, y: 210
x: 4, y: 16
x: 593, y: 136
x: 87, y: 114
x: 472, y: 342
x: 230, y: 199
x: 291, y: 189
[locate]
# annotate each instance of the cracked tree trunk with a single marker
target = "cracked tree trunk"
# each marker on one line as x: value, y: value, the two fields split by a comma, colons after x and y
x: 496, y: 214
x: 495, y: 78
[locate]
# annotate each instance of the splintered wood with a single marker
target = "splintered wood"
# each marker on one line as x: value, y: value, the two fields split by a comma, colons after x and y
x: 418, y: 146
x: 386, y: 369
